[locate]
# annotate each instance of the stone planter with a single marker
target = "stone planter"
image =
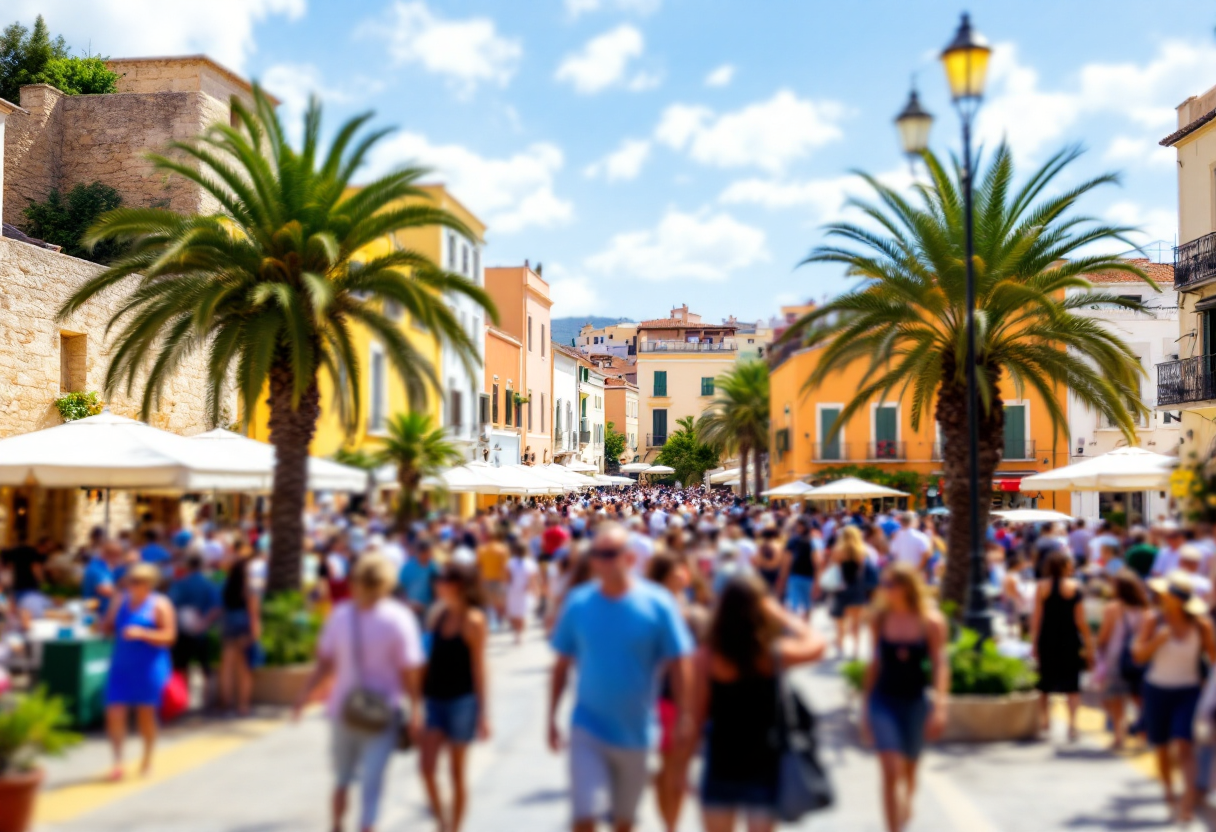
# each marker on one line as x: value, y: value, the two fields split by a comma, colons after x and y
x: 280, y: 685
x: 18, y: 792
x: 992, y: 718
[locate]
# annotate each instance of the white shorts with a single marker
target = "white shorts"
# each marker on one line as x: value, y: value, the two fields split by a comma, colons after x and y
x: 605, y: 780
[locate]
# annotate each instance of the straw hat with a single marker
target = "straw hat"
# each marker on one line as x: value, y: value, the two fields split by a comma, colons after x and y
x: 1179, y: 584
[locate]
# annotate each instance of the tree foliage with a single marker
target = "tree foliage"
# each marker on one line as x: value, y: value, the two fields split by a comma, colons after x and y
x: 614, y: 445
x: 687, y: 454
x: 737, y: 420
x: 34, y: 57
x: 64, y: 220
x: 909, y: 481
x: 418, y: 449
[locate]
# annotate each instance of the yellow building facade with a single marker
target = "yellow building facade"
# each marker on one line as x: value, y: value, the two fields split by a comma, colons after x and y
x: 881, y: 435
x: 381, y: 392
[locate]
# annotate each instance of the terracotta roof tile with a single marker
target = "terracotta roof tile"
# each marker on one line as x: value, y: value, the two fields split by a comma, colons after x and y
x: 1161, y: 273
x: 674, y: 323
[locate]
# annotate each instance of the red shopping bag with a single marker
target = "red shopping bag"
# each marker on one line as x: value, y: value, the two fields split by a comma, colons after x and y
x: 176, y: 697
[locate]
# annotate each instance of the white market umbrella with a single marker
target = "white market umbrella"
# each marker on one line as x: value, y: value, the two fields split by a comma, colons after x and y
x: 109, y: 451
x: 582, y: 467
x: 1033, y: 515
x: 851, y: 488
x: 475, y: 477
x: 602, y: 479
x: 560, y: 474
x: 523, y: 481
x: 232, y: 450
x: 660, y: 469
x: 791, y: 489
x: 635, y: 467
x: 1123, y: 469
x: 621, y: 480
x: 725, y: 477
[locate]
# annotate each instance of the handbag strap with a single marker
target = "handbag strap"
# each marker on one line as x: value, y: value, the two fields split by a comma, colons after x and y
x: 358, y: 642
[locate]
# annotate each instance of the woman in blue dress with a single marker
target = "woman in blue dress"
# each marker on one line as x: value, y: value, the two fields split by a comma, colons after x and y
x: 144, y: 629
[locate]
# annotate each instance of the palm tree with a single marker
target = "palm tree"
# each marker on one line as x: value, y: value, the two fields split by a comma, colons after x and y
x: 418, y: 449
x: 737, y: 420
x: 271, y: 288
x: 907, y: 320
x: 686, y: 453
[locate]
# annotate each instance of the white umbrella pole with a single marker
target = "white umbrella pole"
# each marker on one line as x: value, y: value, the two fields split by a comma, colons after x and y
x: 107, y: 513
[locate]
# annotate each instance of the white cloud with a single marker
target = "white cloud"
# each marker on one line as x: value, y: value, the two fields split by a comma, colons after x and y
x: 702, y: 246
x: 1156, y: 224
x: 769, y: 134
x: 623, y: 163
x: 1145, y: 151
x: 222, y: 29
x: 825, y: 198
x: 721, y: 76
x: 642, y: 7
x: 604, y: 62
x: 467, y: 52
x: 509, y: 193
x: 293, y: 84
x: 571, y: 294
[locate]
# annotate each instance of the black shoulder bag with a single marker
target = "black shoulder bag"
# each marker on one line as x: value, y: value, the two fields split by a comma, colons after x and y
x: 802, y: 785
x: 363, y: 709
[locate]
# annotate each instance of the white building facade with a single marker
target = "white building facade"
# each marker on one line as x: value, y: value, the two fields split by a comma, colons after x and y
x: 565, y: 403
x: 591, y: 416
x: 464, y: 405
x: 1154, y: 338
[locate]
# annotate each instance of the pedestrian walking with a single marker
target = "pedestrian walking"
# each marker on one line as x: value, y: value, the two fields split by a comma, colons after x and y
x: 454, y: 688
x: 1061, y: 639
x: 492, y: 558
x: 1122, y: 676
x: 905, y: 686
x: 371, y: 649
x: 800, y: 575
x: 620, y: 634
x: 772, y: 561
x: 521, y: 587
x: 196, y: 600
x: 849, y: 557
x: 241, y: 628
x: 1172, y: 642
x: 144, y: 628
x: 752, y: 640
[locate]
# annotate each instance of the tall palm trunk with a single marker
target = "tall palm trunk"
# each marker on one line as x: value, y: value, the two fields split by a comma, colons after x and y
x: 952, y: 416
x: 407, y: 505
x: 291, y: 432
x: 745, y: 451
x: 758, y: 477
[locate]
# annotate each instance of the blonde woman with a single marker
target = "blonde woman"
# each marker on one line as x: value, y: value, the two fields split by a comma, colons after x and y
x: 909, y: 664
x: 849, y: 555
x: 370, y: 644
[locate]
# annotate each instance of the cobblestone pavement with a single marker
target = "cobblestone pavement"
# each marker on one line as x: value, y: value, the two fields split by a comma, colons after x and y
x: 267, y: 774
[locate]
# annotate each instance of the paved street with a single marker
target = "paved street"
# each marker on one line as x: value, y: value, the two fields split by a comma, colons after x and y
x: 267, y: 775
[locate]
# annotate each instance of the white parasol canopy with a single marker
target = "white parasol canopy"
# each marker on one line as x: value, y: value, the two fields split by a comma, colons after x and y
x: 583, y: 467
x: 109, y: 451
x: 561, y: 474
x: 635, y: 467
x: 660, y: 469
x: 621, y: 480
x: 1033, y: 515
x: 724, y: 477
x: 1123, y: 469
x: 791, y: 489
x: 851, y: 488
x: 232, y: 450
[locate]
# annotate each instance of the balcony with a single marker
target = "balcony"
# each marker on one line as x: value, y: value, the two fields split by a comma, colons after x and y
x: 656, y: 440
x: 886, y: 450
x: 830, y: 451
x: 686, y: 346
x: 1195, y: 262
x: 1186, y: 380
x: 1015, y: 449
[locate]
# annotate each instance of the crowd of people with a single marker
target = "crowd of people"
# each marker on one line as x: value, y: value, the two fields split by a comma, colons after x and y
x: 674, y: 616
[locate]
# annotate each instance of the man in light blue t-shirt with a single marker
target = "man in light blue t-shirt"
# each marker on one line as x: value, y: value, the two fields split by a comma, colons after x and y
x: 621, y: 634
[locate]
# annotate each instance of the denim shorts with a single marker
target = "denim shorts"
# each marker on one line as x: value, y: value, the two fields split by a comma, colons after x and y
x: 898, y: 724
x: 751, y: 798
x: 1169, y: 713
x: 798, y: 593
x: 455, y: 718
x: 236, y: 624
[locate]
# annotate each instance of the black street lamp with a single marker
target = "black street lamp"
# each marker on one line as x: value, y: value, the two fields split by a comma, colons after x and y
x: 966, y: 63
x: 914, y: 122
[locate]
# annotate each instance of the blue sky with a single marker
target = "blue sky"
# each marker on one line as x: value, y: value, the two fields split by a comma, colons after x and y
x: 658, y: 152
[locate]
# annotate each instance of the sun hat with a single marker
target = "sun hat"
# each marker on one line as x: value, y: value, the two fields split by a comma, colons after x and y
x: 1180, y: 584
x: 1191, y: 552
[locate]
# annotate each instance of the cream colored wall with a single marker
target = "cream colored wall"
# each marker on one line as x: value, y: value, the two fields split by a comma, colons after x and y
x: 1196, y: 194
x: 684, y: 373
x: 538, y: 376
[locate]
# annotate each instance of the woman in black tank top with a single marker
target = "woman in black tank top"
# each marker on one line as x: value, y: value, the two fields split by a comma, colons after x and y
x: 454, y: 688
x: 909, y: 662
x: 736, y: 701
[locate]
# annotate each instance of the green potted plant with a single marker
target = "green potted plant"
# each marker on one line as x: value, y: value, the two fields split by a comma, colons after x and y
x: 32, y: 725
x: 992, y: 695
x: 289, y: 638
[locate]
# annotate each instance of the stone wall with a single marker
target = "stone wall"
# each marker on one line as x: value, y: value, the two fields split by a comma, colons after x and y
x: 34, y: 283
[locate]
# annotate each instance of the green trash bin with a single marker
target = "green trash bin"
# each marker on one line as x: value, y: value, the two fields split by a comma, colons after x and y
x: 76, y: 669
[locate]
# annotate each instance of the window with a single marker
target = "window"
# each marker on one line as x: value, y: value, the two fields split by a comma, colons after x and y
x: 1016, y: 446
x: 464, y: 260
x: 72, y: 362
x: 885, y: 432
x: 455, y: 410
x: 392, y: 310
x: 660, y: 385
x: 529, y: 409
x: 707, y: 386
x: 557, y: 417
x: 483, y: 409
x: 451, y: 252
x: 542, y: 340
x: 494, y: 403
x: 542, y: 411
x: 829, y: 448
x: 510, y: 405
x: 379, y: 390
x: 529, y: 333
x: 658, y: 427
x: 477, y: 333
x: 477, y: 265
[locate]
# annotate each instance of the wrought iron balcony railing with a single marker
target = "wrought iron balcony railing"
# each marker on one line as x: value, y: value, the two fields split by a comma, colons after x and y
x: 830, y: 451
x: 887, y: 450
x: 1195, y: 262
x: 1186, y: 380
x: 656, y: 440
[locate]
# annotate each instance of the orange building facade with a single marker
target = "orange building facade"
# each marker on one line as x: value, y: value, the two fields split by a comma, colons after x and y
x: 504, y: 372
x: 522, y: 298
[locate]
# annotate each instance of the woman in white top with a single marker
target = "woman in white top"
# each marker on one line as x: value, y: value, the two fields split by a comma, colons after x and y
x: 1172, y: 643
x: 1124, y: 677
x: 521, y: 584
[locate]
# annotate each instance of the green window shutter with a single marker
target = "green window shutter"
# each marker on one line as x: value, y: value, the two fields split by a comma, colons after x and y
x: 1015, y: 431
x: 658, y: 424
x: 660, y: 383
x: 884, y: 424
x: 707, y: 386
x: 829, y: 444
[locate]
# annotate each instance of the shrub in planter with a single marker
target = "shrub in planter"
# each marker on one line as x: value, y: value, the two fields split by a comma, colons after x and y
x: 982, y: 670
x: 289, y: 638
x: 32, y: 725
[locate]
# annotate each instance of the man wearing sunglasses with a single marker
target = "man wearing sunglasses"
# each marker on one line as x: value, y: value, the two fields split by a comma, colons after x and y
x: 620, y: 633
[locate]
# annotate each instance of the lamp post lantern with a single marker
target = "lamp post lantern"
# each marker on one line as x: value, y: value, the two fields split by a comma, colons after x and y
x: 914, y: 122
x: 966, y: 63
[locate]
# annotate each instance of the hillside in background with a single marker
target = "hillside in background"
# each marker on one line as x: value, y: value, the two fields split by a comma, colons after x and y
x: 566, y: 329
